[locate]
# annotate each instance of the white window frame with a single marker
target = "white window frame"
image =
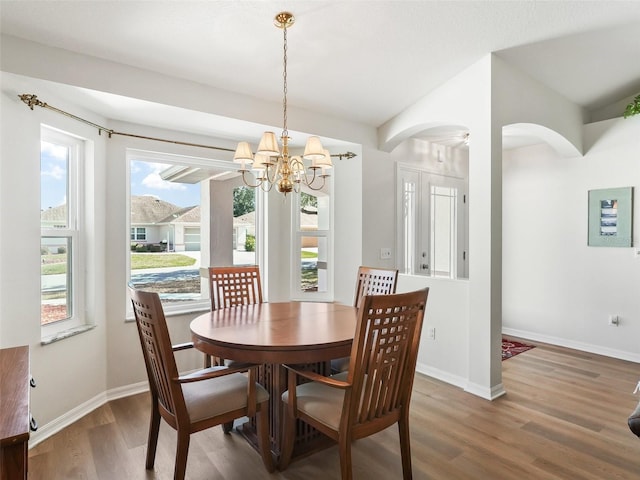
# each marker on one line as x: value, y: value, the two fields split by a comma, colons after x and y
x: 443, y: 231
x: 74, y: 231
x: 136, y: 234
x: 408, y: 233
x: 296, y: 245
x: 204, y: 303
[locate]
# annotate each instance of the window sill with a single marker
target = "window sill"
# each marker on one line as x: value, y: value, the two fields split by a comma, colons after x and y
x: 186, y: 310
x: 65, y: 334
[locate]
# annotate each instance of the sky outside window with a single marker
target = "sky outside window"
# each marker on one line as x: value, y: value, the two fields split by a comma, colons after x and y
x: 146, y: 180
x: 54, y: 167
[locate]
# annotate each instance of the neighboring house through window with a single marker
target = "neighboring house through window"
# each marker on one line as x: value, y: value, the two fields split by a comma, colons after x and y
x: 182, y: 219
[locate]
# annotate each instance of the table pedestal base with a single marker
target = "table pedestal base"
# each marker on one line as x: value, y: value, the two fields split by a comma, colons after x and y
x: 308, y: 440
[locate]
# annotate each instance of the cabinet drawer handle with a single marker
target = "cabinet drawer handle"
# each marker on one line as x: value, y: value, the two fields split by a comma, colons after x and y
x: 33, y: 425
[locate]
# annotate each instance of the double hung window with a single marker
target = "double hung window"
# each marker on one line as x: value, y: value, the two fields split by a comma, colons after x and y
x: 312, y: 259
x: 61, y: 248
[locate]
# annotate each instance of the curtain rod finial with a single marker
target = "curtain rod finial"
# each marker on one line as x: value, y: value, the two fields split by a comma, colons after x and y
x: 31, y: 100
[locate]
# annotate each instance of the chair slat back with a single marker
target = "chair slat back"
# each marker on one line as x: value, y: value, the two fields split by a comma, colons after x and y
x: 374, y: 281
x: 156, y: 349
x: 231, y: 286
x: 384, y: 354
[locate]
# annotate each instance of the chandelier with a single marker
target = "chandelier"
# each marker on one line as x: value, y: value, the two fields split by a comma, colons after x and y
x: 274, y: 166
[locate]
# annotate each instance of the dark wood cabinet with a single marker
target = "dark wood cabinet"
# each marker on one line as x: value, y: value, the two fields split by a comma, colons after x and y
x: 14, y: 412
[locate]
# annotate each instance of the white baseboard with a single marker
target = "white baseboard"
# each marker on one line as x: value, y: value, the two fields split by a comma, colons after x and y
x: 63, y: 421
x: 461, y: 382
x: 127, y: 390
x: 563, y: 342
x: 484, y: 392
x: 441, y: 375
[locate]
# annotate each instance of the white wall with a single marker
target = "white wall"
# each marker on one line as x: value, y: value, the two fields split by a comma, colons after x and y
x: 378, y: 210
x: 349, y: 241
x: 557, y: 289
x: 486, y: 97
x: 468, y: 100
x: 445, y: 357
x: 72, y: 371
x: 521, y: 99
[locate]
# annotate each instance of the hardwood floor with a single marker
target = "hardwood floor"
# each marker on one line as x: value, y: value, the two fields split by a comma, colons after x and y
x: 564, y: 417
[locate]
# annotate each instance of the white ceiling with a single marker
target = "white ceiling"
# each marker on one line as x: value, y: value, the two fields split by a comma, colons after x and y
x: 361, y: 60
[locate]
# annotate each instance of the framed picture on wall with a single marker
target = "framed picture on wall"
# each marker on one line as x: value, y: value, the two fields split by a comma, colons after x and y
x: 611, y: 217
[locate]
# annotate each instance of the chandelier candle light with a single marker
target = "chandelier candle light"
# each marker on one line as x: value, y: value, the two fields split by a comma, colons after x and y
x: 274, y: 167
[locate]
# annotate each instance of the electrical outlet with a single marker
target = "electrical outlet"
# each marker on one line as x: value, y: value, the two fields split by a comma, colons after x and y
x: 614, y: 320
x: 385, y: 253
x: 431, y: 333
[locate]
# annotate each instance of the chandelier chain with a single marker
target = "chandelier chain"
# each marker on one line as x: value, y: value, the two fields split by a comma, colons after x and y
x: 285, y: 131
x: 274, y: 166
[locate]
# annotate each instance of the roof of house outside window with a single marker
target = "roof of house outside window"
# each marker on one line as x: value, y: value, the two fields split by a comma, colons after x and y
x: 183, y: 215
x: 54, y: 216
x: 146, y: 209
x: 149, y: 210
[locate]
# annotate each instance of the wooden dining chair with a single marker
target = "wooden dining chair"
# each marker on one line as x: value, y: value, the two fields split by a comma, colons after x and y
x: 230, y: 287
x: 370, y: 281
x: 374, y: 393
x: 374, y: 281
x: 199, y: 400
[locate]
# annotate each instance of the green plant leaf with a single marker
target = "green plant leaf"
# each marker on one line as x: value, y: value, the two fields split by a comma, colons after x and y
x: 633, y: 108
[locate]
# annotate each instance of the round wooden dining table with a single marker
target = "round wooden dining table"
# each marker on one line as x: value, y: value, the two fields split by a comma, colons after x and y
x: 287, y: 332
x: 272, y: 334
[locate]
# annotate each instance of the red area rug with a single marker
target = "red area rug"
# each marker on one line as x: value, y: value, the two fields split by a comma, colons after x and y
x: 511, y: 348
